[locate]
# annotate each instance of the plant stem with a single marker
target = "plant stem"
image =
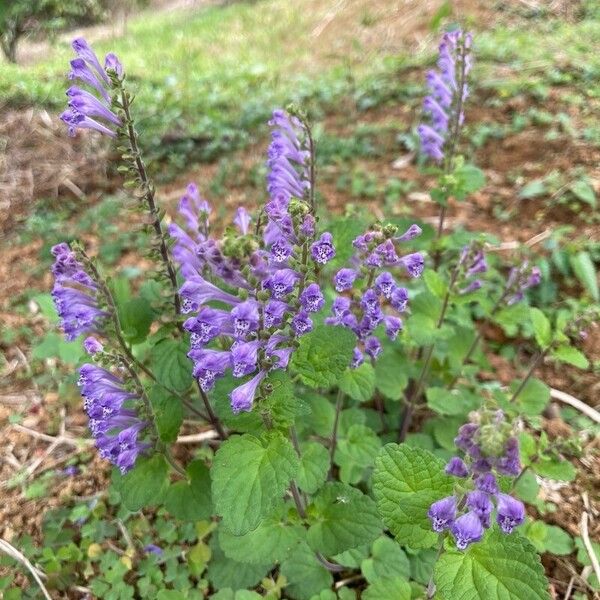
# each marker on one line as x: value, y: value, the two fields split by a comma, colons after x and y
x: 212, y: 417
x: 177, y: 468
x: 339, y: 403
x: 413, y: 394
x: 431, y: 585
x: 532, y: 367
x: 148, y: 195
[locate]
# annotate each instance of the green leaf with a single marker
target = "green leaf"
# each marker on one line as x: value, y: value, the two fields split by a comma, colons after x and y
x: 468, y: 179
x: 168, y: 413
x: 584, y: 191
x: 572, y: 356
x: 585, y: 271
x: 388, y: 560
x: 558, y: 541
x: 552, y: 468
x: 249, y: 476
x: 271, y: 542
x: 434, y: 282
x: 171, y: 366
x: 451, y: 402
x: 406, y: 481
x: 136, y: 316
x: 396, y: 588
x: 527, y: 487
x: 342, y: 517
x: 534, y: 188
x: 314, y: 465
x: 358, y: 447
x: 283, y: 403
x: 145, y: 484
x: 306, y: 576
x: 359, y: 383
x: 170, y: 595
x: 533, y: 398
x: 191, y: 501
x: 505, y: 567
x: 391, y: 375
x: 541, y: 327
x: 323, y: 355
x: 226, y: 573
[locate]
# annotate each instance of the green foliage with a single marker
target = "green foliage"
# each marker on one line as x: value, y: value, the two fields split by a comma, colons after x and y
x: 323, y: 355
x: 249, y: 476
x: 168, y: 413
x: 500, y: 566
x: 145, y: 484
x: 191, y: 500
x: 406, y: 481
x: 171, y: 365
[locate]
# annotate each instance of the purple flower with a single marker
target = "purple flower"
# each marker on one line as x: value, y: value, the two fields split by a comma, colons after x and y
x: 457, y: 467
x: 75, y: 295
x: 385, y: 284
x: 322, y: 251
x: 207, y: 325
x: 370, y: 302
x: 466, y: 436
x: 245, y: 318
x: 242, y: 220
x: 244, y: 357
x: 92, y: 345
x: 196, y: 291
x: 307, y: 228
x: 410, y: 234
x: 413, y: 263
x: 282, y: 283
x: 510, y: 512
x: 280, y: 250
x: 393, y: 326
x: 85, y: 52
x: 358, y: 359
x: 466, y: 530
x: 487, y: 483
x: 399, y: 299
x: 242, y: 397
x: 274, y: 312
x: 344, y: 279
x: 153, y: 549
x: 115, y: 427
x: 442, y: 513
x: 475, y: 285
x: 302, y: 323
x: 373, y: 347
x: 209, y: 365
x: 479, y: 502
x: 311, y: 299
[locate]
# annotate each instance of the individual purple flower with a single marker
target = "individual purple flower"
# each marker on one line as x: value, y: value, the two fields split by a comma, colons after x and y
x: 358, y: 358
x: 344, y: 279
x: 282, y: 283
x: 307, y: 228
x: 242, y: 220
x: 245, y: 318
x: 480, y: 503
x: 311, y: 299
x: 413, y: 263
x: 85, y: 52
x: 399, y: 299
x: 242, y: 397
x: 274, y: 312
x: 116, y: 428
x: 520, y: 280
x: 385, y: 284
x: 457, y: 467
x: 196, y: 291
x: 71, y: 471
x: 244, y: 357
x: 92, y: 345
x: 410, y: 234
x: 153, y: 549
x: 487, y: 483
x: 466, y: 530
x: 322, y: 251
x: 209, y: 365
x: 442, y: 513
x: 510, y: 512
x: 302, y: 323
x: 280, y: 250
x: 207, y: 325
x: 373, y: 347
x: 393, y: 326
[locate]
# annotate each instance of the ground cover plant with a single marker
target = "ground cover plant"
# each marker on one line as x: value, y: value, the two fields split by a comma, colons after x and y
x: 331, y: 367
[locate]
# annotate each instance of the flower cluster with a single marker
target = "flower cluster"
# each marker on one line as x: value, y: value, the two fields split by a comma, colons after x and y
x: 471, y: 263
x: 369, y: 294
x: 113, y: 419
x: 272, y: 275
x: 84, y: 107
x: 520, y: 279
x: 447, y: 93
x: 489, y: 450
x: 75, y: 294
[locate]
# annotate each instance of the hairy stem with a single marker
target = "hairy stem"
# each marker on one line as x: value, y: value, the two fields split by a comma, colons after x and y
x: 339, y: 403
x: 149, y: 198
x: 532, y: 367
x: 431, y: 584
x: 212, y: 417
x: 415, y: 391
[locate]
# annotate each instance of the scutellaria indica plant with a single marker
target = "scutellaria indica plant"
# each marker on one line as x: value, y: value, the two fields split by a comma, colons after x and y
x: 336, y: 360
